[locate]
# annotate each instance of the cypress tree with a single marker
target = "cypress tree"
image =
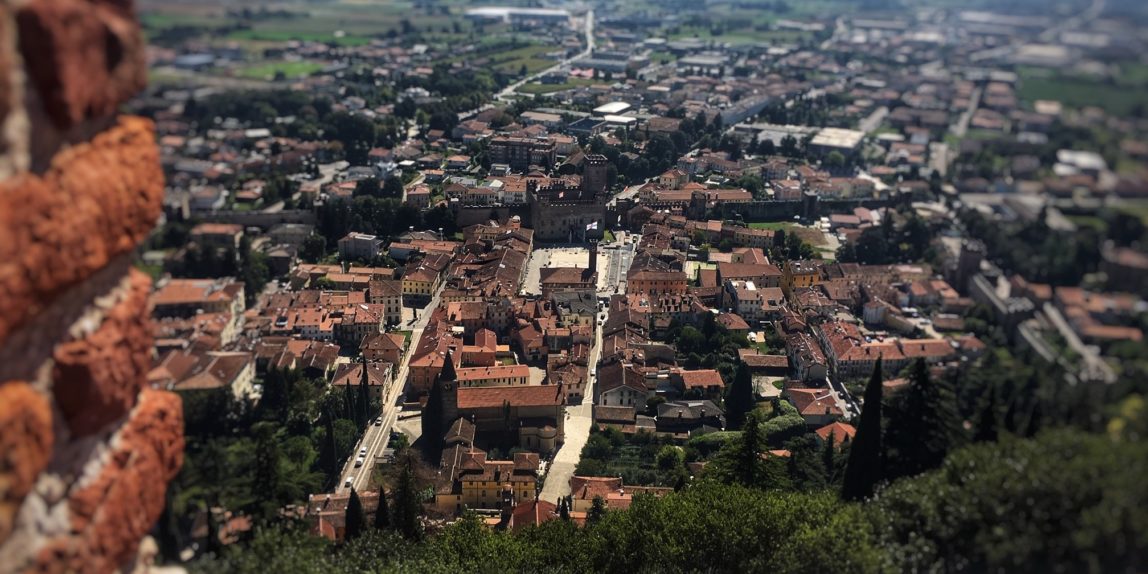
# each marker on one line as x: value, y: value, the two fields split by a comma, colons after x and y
x: 267, y: 479
x: 354, y: 518
x: 597, y: 511
x: 923, y: 425
x: 828, y: 457
x: 748, y: 463
x: 348, y: 403
x: 364, y: 403
x: 382, y: 513
x: 563, y: 508
x: 740, y: 400
x: 329, y: 454
x: 987, y: 426
x: 408, y: 504
x: 864, y: 469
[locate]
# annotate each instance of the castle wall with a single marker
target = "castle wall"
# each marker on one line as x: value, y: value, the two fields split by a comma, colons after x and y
x: 86, y: 449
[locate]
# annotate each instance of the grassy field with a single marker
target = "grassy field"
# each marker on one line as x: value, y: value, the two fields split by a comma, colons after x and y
x: 552, y: 88
x: 1089, y: 221
x: 287, y: 36
x: 1077, y: 92
x: 1138, y: 209
x: 289, y: 69
x: 772, y: 225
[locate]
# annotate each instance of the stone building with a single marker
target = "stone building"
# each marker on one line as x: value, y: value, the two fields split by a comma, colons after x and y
x: 562, y: 212
x: 88, y: 448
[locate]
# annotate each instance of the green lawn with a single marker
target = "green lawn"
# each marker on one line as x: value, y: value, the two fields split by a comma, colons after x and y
x: 289, y: 69
x: 771, y: 225
x: 569, y: 84
x: 1137, y: 209
x: 607, y: 236
x: 288, y: 35
x: 1089, y: 221
x: 1078, y: 91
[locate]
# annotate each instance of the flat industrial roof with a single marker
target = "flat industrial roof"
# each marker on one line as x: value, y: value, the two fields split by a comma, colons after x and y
x: 838, y: 137
x: 626, y: 120
x: 612, y: 108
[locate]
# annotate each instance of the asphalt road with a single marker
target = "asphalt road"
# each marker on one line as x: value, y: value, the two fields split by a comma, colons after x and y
x: 509, y: 91
x: 376, y: 438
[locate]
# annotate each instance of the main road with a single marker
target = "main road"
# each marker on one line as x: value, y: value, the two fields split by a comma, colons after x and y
x: 376, y: 438
x: 508, y: 92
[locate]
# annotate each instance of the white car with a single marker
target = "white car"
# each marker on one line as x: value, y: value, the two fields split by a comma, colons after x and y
x: 363, y: 451
x: 359, y: 462
x: 347, y: 483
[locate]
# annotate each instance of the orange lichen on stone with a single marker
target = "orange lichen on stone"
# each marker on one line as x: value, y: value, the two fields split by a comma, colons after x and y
x: 97, y: 378
x: 96, y: 201
x: 112, y: 512
x: 25, y: 446
x: 84, y: 58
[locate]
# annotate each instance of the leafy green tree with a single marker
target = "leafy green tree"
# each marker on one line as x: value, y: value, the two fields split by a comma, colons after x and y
x: 597, y: 511
x: 354, y: 518
x: 267, y: 480
x: 805, y: 465
x: 670, y: 458
x: 986, y: 428
x: 368, y: 186
x: 834, y: 159
x: 1063, y: 502
x: 313, y: 249
x: 847, y: 252
x: 865, y: 469
x: 872, y: 247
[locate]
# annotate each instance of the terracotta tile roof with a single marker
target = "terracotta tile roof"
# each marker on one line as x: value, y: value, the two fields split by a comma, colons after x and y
x: 929, y: 348
x: 533, y: 513
x: 496, y: 372
x: 839, y: 430
x: 591, y: 487
x: 527, y: 396
x: 813, y: 401
x: 702, y: 379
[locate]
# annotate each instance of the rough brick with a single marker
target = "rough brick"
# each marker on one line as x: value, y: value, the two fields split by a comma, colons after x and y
x: 96, y: 201
x: 112, y: 512
x: 25, y: 446
x: 84, y: 58
x: 6, y: 91
x: 98, y: 377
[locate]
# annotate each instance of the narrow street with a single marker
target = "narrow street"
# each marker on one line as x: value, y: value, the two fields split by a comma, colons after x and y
x: 579, y: 419
x: 376, y: 438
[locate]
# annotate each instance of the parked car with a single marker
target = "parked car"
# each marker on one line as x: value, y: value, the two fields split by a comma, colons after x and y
x: 363, y: 451
x: 347, y: 483
x: 359, y: 462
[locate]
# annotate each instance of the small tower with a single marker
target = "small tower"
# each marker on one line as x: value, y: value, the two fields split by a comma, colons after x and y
x: 593, y: 267
x: 594, y: 174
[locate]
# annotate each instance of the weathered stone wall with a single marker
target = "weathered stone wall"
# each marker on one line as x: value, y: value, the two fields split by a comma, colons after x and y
x: 86, y: 451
